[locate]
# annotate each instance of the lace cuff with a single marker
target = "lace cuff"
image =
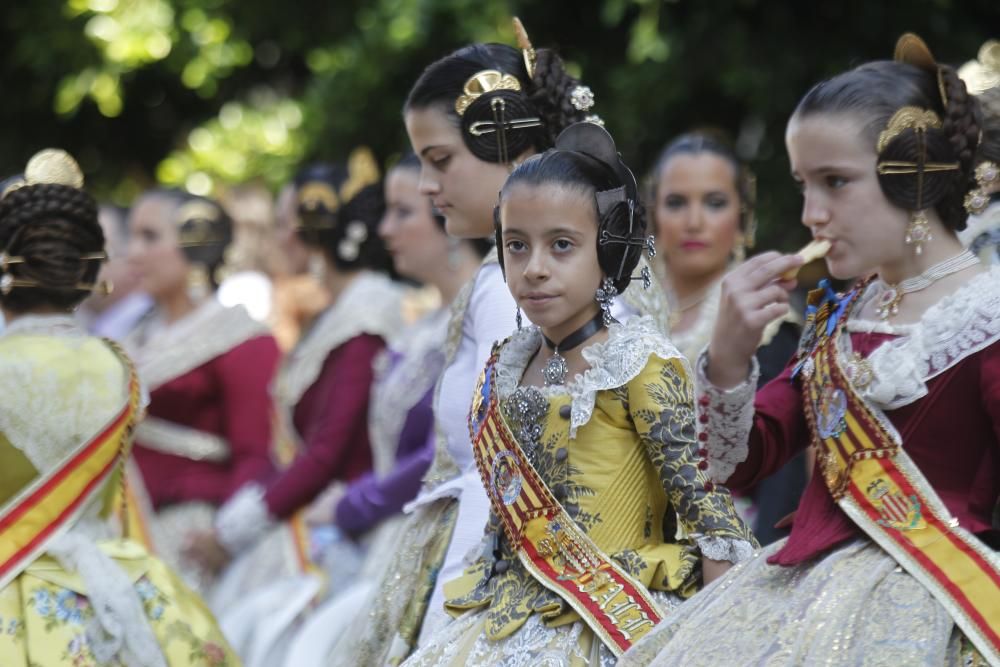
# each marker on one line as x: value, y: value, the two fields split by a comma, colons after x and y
x: 243, y: 520
x: 725, y: 417
x: 730, y: 549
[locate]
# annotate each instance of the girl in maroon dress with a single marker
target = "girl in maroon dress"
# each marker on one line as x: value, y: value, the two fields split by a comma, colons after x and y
x: 322, y: 390
x: 896, y: 384
x: 207, y: 368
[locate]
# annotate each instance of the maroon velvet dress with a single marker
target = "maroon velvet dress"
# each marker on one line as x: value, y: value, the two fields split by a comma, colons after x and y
x: 829, y: 594
x: 207, y: 430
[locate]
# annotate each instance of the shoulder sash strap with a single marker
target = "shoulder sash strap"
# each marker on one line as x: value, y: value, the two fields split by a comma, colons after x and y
x: 557, y: 552
x: 880, y: 488
x: 54, y: 501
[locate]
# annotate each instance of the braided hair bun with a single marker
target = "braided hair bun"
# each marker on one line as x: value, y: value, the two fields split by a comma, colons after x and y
x: 543, y: 101
x: 935, y: 154
x: 51, y: 242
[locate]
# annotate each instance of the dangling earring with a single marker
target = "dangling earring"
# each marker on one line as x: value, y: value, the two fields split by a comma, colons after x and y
x: 517, y: 317
x: 316, y: 267
x: 918, y: 232
x: 605, y: 296
x: 740, y: 250
x: 198, y: 285
x: 987, y: 175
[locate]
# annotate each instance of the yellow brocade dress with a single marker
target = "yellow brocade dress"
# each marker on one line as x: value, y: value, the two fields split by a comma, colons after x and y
x: 90, y: 597
x: 617, y: 448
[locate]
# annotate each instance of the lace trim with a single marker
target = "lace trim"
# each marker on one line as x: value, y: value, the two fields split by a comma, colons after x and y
x: 398, y: 387
x: 164, y: 352
x: 954, y: 328
x: 46, y: 412
x: 44, y: 325
x: 613, y: 363
x: 725, y: 548
x: 243, y: 519
x: 171, y: 438
x: 730, y: 419
x: 370, y: 304
x: 119, y: 627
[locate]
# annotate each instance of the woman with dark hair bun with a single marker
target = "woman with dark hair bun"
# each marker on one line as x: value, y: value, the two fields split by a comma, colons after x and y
x: 892, y: 554
x: 207, y: 368
x: 321, y: 400
x: 72, y: 590
x: 703, y: 203
x: 583, y: 435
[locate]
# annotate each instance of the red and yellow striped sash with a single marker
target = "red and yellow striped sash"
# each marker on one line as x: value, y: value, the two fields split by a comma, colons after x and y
x: 54, y: 500
x: 883, y: 491
x: 557, y: 552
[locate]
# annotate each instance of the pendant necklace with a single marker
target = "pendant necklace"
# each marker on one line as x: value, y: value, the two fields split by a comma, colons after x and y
x: 891, y: 295
x: 556, y: 368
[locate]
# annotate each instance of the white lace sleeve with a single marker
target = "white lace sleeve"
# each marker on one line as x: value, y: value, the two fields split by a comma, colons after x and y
x: 243, y: 520
x: 725, y: 417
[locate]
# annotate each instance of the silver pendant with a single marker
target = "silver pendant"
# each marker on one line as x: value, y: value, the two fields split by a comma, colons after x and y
x: 555, y: 370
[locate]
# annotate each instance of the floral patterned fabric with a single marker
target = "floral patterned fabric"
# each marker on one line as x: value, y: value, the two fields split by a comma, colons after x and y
x: 633, y: 468
x: 47, y: 618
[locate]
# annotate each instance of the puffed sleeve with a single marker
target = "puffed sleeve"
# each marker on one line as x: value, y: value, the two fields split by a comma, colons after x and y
x: 661, y: 403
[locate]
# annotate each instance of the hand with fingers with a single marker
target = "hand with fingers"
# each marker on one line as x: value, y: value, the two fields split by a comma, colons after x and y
x: 753, y: 294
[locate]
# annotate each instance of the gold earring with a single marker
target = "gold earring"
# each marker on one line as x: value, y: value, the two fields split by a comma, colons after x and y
x: 918, y: 232
x: 198, y: 285
x: 740, y: 249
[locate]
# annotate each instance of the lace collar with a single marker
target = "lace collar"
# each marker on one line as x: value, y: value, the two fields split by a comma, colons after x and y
x: 613, y: 363
x: 53, y: 324
x: 369, y: 305
x: 954, y: 328
x: 163, y: 352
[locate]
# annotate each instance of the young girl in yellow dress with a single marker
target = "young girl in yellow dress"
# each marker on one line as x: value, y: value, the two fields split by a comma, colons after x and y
x: 584, y: 437
x: 70, y: 592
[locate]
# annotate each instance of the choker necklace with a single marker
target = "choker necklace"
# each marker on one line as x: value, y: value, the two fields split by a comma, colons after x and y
x: 556, y: 368
x: 889, y: 299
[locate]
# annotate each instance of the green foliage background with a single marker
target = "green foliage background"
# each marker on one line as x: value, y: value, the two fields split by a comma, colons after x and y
x: 201, y: 93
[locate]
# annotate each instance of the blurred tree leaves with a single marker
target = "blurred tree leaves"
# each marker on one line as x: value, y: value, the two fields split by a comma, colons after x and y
x: 201, y: 92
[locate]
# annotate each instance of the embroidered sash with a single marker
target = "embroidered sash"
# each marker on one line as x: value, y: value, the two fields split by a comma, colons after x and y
x: 55, y: 500
x: 556, y: 551
x: 880, y: 488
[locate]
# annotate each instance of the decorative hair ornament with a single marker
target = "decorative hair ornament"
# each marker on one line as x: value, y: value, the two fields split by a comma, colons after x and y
x: 527, y: 50
x: 482, y: 82
x: 362, y: 171
x: 196, y: 222
x: 912, y: 50
x: 920, y: 121
x: 582, y: 98
x: 978, y: 199
x: 49, y: 166
x: 984, y: 73
x: 316, y: 195
x: 593, y: 140
x: 320, y: 197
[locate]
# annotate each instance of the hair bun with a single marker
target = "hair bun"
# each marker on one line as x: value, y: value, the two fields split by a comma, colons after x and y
x: 479, y: 125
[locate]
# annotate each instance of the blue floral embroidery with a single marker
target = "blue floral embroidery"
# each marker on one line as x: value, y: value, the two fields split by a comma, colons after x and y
x: 67, y: 609
x: 43, y: 602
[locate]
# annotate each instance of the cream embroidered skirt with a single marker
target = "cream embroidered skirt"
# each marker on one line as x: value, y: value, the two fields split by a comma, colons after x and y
x: 854, y: 606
